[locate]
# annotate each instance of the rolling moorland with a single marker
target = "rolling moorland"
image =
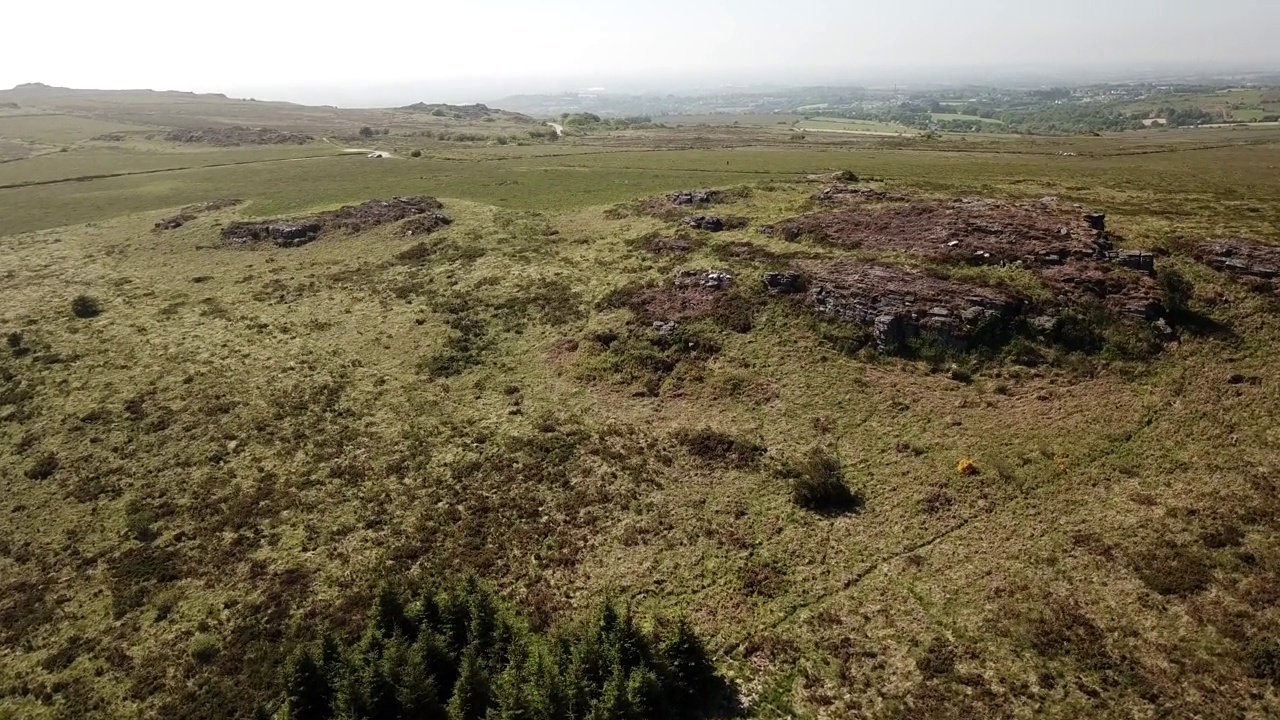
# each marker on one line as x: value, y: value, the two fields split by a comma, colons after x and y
x: 653, y: 419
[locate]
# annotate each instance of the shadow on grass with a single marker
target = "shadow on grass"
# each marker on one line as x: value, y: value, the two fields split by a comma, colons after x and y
x: 1202, y: 326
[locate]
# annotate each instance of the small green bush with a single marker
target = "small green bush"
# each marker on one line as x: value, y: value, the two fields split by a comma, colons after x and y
x: 415, y: 153
x: 44, y: 467
x: 86, y: 306
x: 1264, y: 660
x: 1176, y: 292
x: 204, y: 648
x: 17, y: 343
x: 817, y: 483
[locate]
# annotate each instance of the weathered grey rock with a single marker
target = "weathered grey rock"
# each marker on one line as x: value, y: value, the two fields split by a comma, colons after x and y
x: 694, y: 197
x: 1137, y: 260
x: 784, y: 282
x: 1097, y: 221
x: 713, y: 279
x: 710, y: 223
x: 293, y: 235
x: 899, y: 305
x: 1043, y: 324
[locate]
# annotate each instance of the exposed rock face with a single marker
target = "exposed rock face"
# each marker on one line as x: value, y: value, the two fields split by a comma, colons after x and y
x: 1252, y: 263
x: 784, y: 283
x: 1067, y: 248
x: 686, y: 198
x: 277, y: 233
x: 372, y: 213
x: 900, y: 304
x: 710, y: 223
x: 352, y: 218
x: 1137, y: 260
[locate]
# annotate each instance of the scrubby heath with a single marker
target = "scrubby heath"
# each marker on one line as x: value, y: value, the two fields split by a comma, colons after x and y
x: 656, y: 422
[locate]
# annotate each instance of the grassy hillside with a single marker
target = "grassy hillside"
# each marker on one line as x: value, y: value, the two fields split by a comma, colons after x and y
x: 223, y: 448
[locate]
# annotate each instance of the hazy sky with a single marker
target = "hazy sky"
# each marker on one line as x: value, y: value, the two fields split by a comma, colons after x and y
x: 240, y: 45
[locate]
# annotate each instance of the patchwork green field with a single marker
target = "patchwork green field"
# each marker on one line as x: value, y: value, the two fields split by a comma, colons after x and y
x: 870, y: 127
x: 276, y: 418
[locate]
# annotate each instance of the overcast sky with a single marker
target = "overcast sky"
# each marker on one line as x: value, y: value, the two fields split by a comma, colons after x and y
x: 236, y: 46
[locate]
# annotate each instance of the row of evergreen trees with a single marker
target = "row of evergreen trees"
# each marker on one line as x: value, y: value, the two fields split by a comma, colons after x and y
x: 463, y: 654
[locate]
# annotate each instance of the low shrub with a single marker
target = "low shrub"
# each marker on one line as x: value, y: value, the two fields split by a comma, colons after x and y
x: 86, y: 306
x: 1176, y: 292
x: 817, y: 483
x: 1264, y: 660
x: 44, y: 467
x: 17, y: 343
x: 204, y: 648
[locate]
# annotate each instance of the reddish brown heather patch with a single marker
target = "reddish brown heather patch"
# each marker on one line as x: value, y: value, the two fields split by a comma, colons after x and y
x: 694, y: 294
x: 1252, y: 263
x: 979, y: 231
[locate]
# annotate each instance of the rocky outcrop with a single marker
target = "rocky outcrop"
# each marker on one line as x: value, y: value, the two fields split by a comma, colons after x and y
x: 280, y: 234
x: 349, y: 218
x: 686, y: 198
x: 784, y: 283
x: 964, y: 230
x: 900, y: 305
x: 710, y: 223
x: 1252, y: 263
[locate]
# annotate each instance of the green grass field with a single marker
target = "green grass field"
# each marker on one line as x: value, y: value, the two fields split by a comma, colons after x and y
x: 720, y: 119
x: 59, y: 129
x: 955, y: 116
x: 843, y: 125
x: 243, y: 444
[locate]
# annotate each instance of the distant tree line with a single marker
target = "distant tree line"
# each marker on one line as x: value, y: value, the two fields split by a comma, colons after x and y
x: 1037, y: 119
x: 1183, y: 117
x: 591, y: 121
x: 463, y: 654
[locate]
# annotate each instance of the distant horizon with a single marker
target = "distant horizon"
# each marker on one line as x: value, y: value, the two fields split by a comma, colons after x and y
x: 491, y: 90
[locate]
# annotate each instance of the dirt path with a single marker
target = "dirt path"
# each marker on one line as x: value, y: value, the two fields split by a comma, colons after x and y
x: 558, y: 128
x: 367, y: 151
